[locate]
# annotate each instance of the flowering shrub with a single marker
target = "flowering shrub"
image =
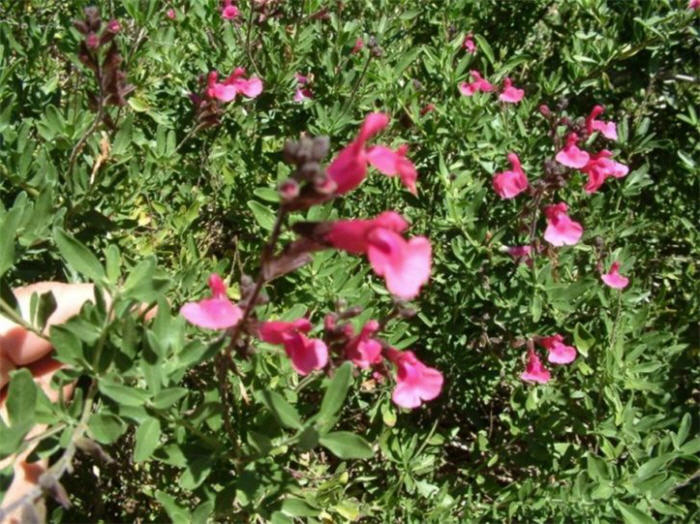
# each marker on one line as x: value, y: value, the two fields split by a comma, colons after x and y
x: 385, y: 261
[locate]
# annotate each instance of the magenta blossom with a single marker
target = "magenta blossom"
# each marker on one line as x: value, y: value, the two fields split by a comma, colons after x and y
x: 607, y: 129
x: 306, y: 354
x: 302, y: 93
x: 92, y: 41
x: 229, y: 11
x: 478, y: 84
x: 415, y: 382
x: 522, y: 254
x: 392, y: 163
x: 601, y: 166
x: 428, y: 108
x: 534, y: 370
x: 468, y: 44
x: 233, y: 85
x: 613, y: 278
x: 349, y: 168
x: 405, y: 265
x: 509, y: 184
x: 217, y: 312
x: 571, y: 155
x: 353, y: 235
x: 363, y: 350
x: 359, y: 44
x: 694, y: 4
x: 511, y: 94
x: 561, y: 230
x: 558, y: 352
x: 170, y: 13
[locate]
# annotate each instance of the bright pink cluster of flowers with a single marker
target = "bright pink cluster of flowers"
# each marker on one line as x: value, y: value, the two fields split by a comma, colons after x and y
x: 557, y: 353
x: 404, y: 263
x: 509, y: 94
x: 233, y: 85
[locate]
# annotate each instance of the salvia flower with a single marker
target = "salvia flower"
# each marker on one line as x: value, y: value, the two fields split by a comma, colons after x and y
x: 558, y: 352
x: 415, y: 382
x: 363, y: 350
x: 607, y: 129
x: 303, y: 92
x: 571, y: 155
x: 511, y: 94
x: 233, y: 85
x: 694, y: 4
x: 477, y: 84
x: 613, y: 278
x: 349, y: 168
x: 561, y: 230
x: 535, y: 370
x: 404, y: 264
x: 468, y: 44
x: 170, y: 13
x: 392, y: 163
x: 359, y: 44
x: 509, y: 184
x: 229, y: 11
x: 601, y: 166
x: 217, y: 312
x: 522, y: 254
x: 306, y: 354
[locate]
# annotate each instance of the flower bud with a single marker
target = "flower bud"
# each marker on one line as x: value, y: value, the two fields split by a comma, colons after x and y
x: 545, y: 111
x: 113, y: 26
x: 319, y: 149
x: 92, y: 41
x: 289, y: 190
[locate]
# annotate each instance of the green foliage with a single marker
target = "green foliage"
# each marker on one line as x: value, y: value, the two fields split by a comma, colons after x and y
x: 612, y: 438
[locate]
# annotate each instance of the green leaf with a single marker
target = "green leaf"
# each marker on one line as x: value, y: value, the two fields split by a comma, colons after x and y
x: 168, y: 397
x: 283, y: 411
x: 633, y: 515
x: 141, y: 283
x: 126, y: 395
x: 335, y: 395
x: 483, y: 46
x: 177, y: 514
x: 583, y: 340
x: 346, y: 445
x: 262, y: 214
x: 78, y: 256
x: 295, y: 507
x: 147, y: 438
x: 684, y: 429
x: 8, y: 229
x: 106, y: 428
x: 21, y: 398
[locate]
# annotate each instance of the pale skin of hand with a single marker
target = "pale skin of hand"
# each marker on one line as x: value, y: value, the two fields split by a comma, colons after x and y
x: 21, y: 348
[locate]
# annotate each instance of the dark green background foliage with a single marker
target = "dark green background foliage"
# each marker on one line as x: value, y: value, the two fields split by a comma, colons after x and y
x: 612, y: 437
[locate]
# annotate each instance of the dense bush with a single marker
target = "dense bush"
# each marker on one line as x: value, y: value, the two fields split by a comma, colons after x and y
x: 126, y: 163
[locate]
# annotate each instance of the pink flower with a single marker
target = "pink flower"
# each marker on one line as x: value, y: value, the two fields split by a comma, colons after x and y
x: 428, y: 108
x: 353, y: 235
x: 509, y: 184
x: 607, y: 129
x: 478, y: 84
x: 229, y: 11
x: 302, y: 94
x: 359, y: 44
x: 469, y: 44
x: 561, y: 230
x: 558, y: 352
x: 534, y: 370
x: 613, y: 278
x: 306, y: 353
x: 392, y: 163
x: 349, y: 168
x: 217, y: 312
x: 301, y: 79
x: 694, y: 4
x: 415, y: 382
x: 522, y: 254
x: 363, y: 350
x: 511, y: 94
x: 114, y: 26
x: 233, y: 85
x: 405, y: 265
x: 599, y: 167
x: 170, y: 13
x: 92, y: 41
x: 571, y: 155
